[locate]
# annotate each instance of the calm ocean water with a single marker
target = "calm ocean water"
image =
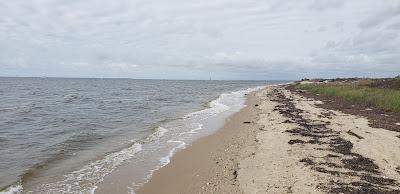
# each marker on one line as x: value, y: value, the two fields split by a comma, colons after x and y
x: 65, y: 135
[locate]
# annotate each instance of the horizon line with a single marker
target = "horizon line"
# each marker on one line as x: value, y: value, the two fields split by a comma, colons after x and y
x: 169, y: 79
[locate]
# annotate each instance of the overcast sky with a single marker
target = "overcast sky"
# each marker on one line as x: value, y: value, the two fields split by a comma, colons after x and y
x: 192, y: 39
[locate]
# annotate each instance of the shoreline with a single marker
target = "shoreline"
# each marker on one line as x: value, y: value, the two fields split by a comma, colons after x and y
x: 102, y: 171
x: 122, y: 179
x: 288, y: 143
x: 210, y: 164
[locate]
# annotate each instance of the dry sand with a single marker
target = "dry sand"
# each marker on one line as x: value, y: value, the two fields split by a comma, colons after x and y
x: 284, y: 143
x: 305, y: 149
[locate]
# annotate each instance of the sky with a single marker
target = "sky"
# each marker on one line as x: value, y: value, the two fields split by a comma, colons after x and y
x: 192, y: 39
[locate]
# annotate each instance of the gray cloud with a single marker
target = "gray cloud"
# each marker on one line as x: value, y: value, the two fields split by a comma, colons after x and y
x: 322, y: 5
x: 386, y: 13
x: 231, y: 39
x: 374, y: 49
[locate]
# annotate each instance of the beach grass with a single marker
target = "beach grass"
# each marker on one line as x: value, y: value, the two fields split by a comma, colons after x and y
x: 388, y: 99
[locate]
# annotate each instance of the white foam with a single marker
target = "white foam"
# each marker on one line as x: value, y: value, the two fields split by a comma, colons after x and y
x: 86, y: 179
x: 216, y: 106
x: 131, y: 190
x: 167, y: 159
x: 160, y: 131
x: 199, y: 127
x: 223, y: 103
x: 13, y: 189
x: 163, y: 161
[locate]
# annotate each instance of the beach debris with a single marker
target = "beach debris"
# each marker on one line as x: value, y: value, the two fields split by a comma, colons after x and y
x: 294, y: 141
x: 398, y: 124
x: 332, y: 156
x: 235, y: 174
x: 256, y: 105
x: 289, y: 189
x: 301, y: 91
x: 379, y: 118
x: 247, y: 122
x: 288, y: 121
x: 307, y: 161
x: 346, y: 162
x: 261, y: 129
x: 354, y: 134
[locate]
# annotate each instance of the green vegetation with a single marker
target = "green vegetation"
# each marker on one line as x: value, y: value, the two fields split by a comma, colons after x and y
x: 388, y: 99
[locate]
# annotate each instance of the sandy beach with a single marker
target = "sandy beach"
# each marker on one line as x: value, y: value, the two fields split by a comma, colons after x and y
x: 283, y: 142
x: 190, y: 97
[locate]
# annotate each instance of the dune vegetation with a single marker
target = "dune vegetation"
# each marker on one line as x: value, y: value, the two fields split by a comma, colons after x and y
x: 386, y: 98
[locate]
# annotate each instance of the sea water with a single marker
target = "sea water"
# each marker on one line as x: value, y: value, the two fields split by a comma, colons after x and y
x: 60, y: 135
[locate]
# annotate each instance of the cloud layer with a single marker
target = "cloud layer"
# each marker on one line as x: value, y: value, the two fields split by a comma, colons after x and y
x: 187, y: 39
